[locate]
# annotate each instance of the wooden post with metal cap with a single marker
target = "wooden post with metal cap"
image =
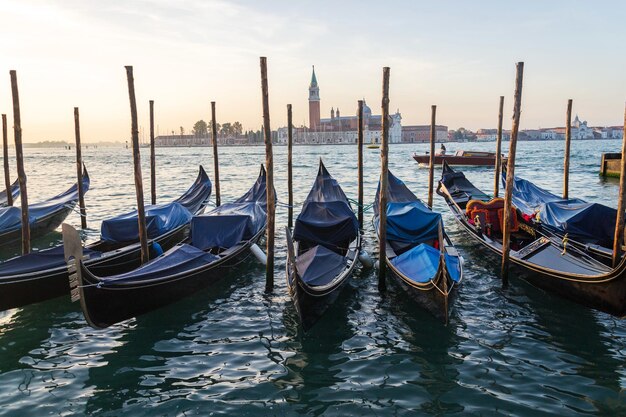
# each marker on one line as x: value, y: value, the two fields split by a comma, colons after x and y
x: 431, y: 160
x: 216, y: 163
x: 360, y: 161
x: 152, y: 156
x: 269, y: 162
x: 289, y: 166
x: 384, y: 184
x: 618, y: 239
x: 568, y: 142
x: 141, y: 215
x: 498, y: 165
x: 5, y: 153
x: 79, y: 171
x: 19, y: 154
x: 510, y: 173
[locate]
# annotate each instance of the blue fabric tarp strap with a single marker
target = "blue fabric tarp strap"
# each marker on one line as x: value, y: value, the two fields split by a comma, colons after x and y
x: 326, y: 217
x: 160, y: 219
x: 319, y: 266
x: 587, y: 222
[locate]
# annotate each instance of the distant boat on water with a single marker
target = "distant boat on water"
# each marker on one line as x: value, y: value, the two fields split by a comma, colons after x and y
x: 460, y: 157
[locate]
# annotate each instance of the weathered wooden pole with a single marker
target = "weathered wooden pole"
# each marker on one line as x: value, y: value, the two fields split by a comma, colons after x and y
x: 359, y: 142
x: 568, y: 142
x: 141, y: 214
x: 19, y: 154
x: 431, y: 163
x: 5, y: 153
x: 384, y: 180
x: 618, y: 239
x: 498, y: 167
x: 79, y: 171
x: 510, y: 173
x: 152, y: 156
x: 216, y: 163
x: 269, y: 163
x: 290, y: 166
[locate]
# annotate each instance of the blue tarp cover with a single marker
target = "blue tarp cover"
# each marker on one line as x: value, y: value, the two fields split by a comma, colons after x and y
x: 319, y: 266
x: 420, y: 264
x: 160, y: 219
x: 326, y: 217
x: 587, y: 222
x: 193, y: 199
x: 409, y: 221
x: 11, y: 217
x: 231, y: 223
x: 39, y: 261
x: 181, y: 258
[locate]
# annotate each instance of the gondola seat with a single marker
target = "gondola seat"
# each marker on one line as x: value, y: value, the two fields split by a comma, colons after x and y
x: 489, y: 216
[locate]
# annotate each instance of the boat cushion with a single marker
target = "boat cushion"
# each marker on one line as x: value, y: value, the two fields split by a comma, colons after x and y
x: 181, y: 258
x: 420, y: 264
x: 160, y: 219
x: 319, y: 265
x: 490, y: 213
x: 227, y: 225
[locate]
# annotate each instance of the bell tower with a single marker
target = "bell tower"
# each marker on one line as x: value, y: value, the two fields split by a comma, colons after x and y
x: 314, y: 103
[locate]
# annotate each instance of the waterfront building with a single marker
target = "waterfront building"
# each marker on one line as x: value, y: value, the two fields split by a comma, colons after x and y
x: 421, y: 133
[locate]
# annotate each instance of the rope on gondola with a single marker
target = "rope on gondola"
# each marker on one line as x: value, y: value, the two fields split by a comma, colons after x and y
x: 74, y: 209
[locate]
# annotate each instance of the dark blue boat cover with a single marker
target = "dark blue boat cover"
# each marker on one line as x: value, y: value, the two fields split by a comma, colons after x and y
x: 326, y: 217
x: 420, y: 264
x: 195, y: 197
x: 180, y: 259
x: 231, y: 223
x: 160, y: 219
x: 39, y: 261
x: 409, y: 221
x: 586, y: 222
x: 11, y: 217
x: 319, y: 266
x: 15, y: 191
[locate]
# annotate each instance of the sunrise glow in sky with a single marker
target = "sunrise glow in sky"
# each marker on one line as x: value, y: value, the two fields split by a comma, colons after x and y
x: 459, y: 55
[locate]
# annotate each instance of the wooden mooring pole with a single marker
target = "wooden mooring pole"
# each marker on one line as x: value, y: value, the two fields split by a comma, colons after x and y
x: 510, y: 173
x: 384, y: 183
x: 618, y: 239
x: 269, y: 163
x: 19, y: 154
x: 289, y: 166
x: 79, y: 171
x: 216, y: 163
x: 568, y: 141
x: 498, y: 167
x: 360, y: 162
x: 152, y: 157
x: 5, y: 153
x: 431, y: 160
x: 141, y: 215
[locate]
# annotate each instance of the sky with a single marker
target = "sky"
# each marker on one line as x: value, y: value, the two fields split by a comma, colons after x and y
x: 458, y: 55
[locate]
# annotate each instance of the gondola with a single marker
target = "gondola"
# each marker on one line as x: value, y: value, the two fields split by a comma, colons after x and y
x: 44, y: 217
x: 548, y: 263
x: 42, y: 275
x: 419, y: 254
x: 324, y: 249
x: 218, y: 240
x: 589, y: 226
x: 15, y: 192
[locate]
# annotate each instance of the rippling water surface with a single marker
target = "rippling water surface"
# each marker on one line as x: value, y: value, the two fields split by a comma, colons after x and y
x: 234, y: 350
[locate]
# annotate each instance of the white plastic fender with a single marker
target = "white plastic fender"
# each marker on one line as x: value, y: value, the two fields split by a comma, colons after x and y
x: 377, y: 265
x: 365, y: 259
x: 258, y: 253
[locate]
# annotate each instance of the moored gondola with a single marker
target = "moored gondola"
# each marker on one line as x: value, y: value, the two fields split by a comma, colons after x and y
x: 324, y: 250
x: 15, y: 192
x: 44, y: 217
x: 564, y: 270
x: 217, y: 241
x: 42, y: 275
x: 420, y: 256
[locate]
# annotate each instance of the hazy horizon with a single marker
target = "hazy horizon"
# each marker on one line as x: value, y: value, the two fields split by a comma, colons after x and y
x: 458, y: 55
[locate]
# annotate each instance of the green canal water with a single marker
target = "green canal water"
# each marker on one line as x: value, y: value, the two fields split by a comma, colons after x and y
x: 235, y: 350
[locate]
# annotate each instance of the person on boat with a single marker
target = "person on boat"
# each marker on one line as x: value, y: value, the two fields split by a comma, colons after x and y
x: 442, y: 149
